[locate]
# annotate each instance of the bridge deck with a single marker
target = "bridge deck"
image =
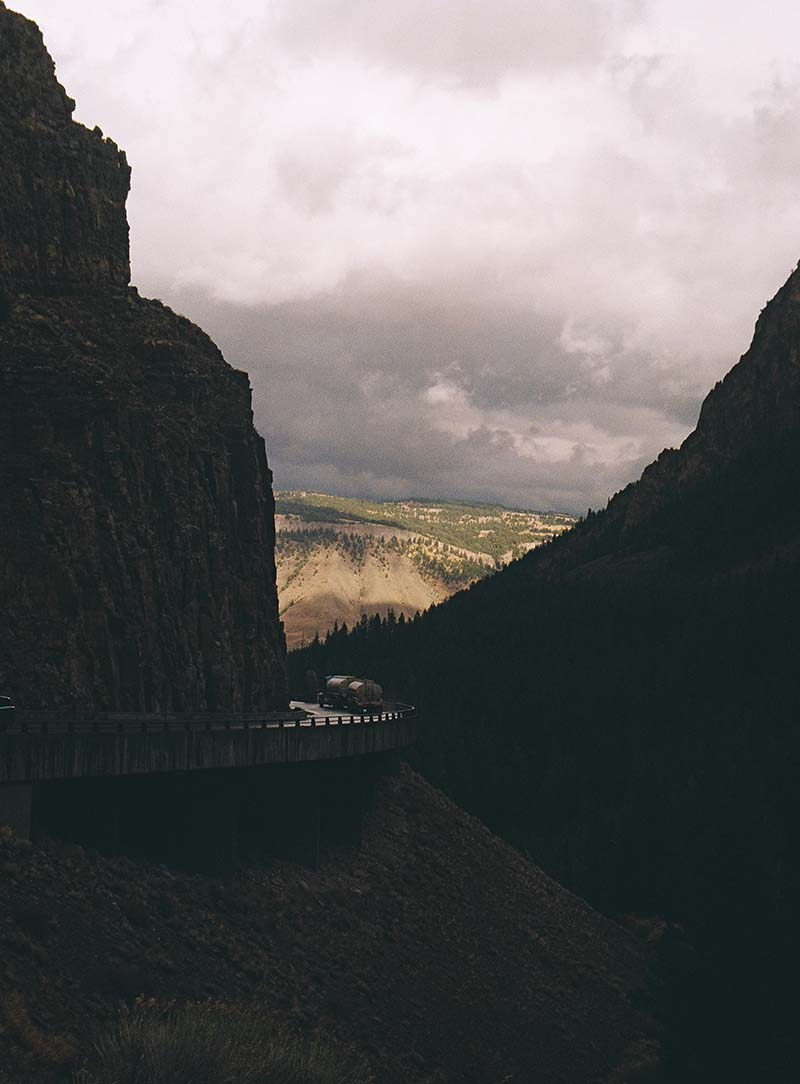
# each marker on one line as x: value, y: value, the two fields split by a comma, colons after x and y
x: 40, y: 746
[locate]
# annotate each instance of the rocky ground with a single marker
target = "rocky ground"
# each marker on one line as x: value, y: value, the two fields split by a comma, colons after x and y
x: 435, y: 949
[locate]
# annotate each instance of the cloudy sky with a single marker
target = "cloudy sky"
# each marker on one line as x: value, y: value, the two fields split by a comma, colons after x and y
x: 494, y: 249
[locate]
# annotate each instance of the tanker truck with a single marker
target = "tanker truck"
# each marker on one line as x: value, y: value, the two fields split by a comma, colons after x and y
x: 348, y: 693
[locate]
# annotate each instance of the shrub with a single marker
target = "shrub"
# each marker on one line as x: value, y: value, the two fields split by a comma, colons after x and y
x: 212, y: 1043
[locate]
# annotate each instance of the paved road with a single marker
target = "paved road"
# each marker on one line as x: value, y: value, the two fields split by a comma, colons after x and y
x: 305, y: 705
x: 331, y: 713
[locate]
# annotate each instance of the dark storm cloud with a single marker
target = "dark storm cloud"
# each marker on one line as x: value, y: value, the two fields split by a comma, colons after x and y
x: 495, y: 250
x: 390, y: 393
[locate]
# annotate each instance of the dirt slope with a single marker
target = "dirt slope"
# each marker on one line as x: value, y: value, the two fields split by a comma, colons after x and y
x: 330, y: 587
x: 339, y: 558
x: 435, y: 949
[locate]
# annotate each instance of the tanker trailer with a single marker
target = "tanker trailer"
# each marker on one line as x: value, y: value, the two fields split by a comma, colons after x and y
x: 350, y: 693
x: 334, y: 691
x: 366, y: 695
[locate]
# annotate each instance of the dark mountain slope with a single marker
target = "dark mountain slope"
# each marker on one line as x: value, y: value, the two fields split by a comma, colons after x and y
x: 623, y: 703
x: 137, y: 546
x: 435, y: 949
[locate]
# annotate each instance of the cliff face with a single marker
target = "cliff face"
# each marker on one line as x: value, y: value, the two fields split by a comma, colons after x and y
x: 62, y: 187
x: 754, y: 410
x: 745, y: 440
x: 137, y: 547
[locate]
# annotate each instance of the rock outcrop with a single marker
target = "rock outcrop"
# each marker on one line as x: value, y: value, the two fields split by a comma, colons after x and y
x: 137, y: 547
x: 748, y: 424
x: 62, y: 187
x: 755, y: 409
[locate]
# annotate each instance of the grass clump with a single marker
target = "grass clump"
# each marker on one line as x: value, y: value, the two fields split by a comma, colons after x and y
x: 213, y: 1043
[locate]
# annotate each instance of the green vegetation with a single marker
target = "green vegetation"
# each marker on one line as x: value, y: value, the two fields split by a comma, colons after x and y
x: 501, y: 533
x: 435, y: 560
x: 320, y: 508
x: 212, y: 1043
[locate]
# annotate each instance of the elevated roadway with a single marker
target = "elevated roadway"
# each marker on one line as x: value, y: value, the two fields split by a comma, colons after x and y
x: 49, y: 745
x: 70, y: 763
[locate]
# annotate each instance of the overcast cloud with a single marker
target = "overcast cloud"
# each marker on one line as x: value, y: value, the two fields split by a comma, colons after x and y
x: 496, y: 249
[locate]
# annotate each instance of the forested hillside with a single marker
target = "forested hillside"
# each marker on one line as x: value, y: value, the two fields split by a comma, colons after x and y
x: 623, y: 705
x: 502, y: 534
x: 339, y: 558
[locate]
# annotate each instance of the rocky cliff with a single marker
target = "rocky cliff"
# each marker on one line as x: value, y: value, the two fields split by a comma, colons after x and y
x: 62, y: 188
x: 137, y: 547
x: 748, y: 422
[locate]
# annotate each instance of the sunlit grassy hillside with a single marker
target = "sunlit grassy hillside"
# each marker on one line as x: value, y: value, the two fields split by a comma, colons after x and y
x: 341, y: 557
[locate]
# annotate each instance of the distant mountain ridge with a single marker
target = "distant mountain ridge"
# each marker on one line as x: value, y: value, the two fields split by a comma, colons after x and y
x: 339, y: 558
x: 500, y: 533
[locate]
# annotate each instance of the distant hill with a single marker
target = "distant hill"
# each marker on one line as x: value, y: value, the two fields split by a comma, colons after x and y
x: 340, y: 557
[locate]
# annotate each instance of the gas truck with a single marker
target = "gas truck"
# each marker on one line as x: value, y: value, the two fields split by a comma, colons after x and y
x: 351, y: 694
